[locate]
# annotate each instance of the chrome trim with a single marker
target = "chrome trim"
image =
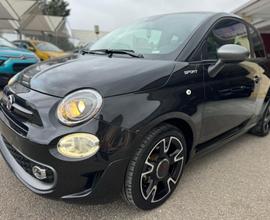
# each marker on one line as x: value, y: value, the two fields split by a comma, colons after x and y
x: 22, y: 109
x: 10, y: 103
x: 78, y: 195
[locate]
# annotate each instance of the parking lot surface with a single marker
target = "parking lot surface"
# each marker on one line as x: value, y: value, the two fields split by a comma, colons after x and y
x: 232, y: 182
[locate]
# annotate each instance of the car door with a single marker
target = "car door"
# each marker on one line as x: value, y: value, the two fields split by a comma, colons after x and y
x: 260, y: 66
x: 230, y: 101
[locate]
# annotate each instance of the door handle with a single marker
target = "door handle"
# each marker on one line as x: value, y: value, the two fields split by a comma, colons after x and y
x: 239, y: 89
x: 257, y: 79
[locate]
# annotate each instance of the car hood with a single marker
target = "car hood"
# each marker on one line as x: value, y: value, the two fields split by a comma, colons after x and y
x: 15, y: 52
x: 109, y: 76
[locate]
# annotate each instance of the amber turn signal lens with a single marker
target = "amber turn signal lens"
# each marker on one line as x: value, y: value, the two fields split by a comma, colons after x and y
x: 73, y: 109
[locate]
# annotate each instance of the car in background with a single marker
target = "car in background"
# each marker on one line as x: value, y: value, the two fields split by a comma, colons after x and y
x: 44, y: 50
x: 13, y: 60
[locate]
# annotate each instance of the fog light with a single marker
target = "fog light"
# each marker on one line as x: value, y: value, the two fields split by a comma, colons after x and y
x: 39, y: 173
x: 80, y: 145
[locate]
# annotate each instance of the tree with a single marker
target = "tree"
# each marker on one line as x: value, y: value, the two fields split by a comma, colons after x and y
x: 55, y: 7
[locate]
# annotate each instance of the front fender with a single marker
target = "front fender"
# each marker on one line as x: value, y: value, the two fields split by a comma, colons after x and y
x: 140, y: 112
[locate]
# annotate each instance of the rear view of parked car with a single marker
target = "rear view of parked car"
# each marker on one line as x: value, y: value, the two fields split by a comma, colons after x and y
x: 13, y: 60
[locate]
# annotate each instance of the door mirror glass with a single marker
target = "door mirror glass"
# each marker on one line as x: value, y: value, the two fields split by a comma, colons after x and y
x: 232, y: 53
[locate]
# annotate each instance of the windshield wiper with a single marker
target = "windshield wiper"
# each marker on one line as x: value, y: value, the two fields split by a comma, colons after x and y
x: 84, y: 51
x: 110, y: 52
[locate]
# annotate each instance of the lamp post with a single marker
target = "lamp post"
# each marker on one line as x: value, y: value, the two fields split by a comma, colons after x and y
x: 97, y: 31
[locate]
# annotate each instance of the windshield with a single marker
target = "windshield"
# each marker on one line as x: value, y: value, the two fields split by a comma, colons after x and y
x: 5, y: 43
x: 154, y: 36
x: 44, y: 46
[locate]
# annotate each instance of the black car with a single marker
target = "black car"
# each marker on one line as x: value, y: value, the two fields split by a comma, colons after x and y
x: 127, y: 114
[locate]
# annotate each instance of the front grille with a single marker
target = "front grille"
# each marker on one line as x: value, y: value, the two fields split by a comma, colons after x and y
x: 14, y: 122
x: 19, y: 113
x: 18, y: 67
x: 28, y: 165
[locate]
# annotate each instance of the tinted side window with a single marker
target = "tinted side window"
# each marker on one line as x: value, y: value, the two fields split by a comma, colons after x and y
x: 24, y: 45
x: 227, y: 32
x: 18, y: 44
x: 257, y: 43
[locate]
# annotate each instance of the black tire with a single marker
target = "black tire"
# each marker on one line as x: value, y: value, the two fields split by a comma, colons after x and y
x: 262, y: 129
x: 156, y: 168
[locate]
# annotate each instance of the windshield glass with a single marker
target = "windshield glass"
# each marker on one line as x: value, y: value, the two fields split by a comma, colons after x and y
x: 5, y: 43
x: 154, y: 36
x: 44, y: 46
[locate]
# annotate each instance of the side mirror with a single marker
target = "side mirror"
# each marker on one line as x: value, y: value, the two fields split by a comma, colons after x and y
x: 230, y: 53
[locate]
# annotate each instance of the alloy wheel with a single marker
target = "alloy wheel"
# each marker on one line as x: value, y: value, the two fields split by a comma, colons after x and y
x: 162, y: 169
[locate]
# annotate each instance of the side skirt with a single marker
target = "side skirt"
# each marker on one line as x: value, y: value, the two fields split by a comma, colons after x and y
x: 221, y: 140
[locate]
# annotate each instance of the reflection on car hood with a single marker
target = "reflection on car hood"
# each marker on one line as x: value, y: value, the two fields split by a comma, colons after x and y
x: 109, y: 76
x: 55, y: 54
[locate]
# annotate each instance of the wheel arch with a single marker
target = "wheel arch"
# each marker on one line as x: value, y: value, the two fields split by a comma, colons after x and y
x: 267, y: 98
x: 187, y: 131
x: 266, y: 102
x: 181, y: 121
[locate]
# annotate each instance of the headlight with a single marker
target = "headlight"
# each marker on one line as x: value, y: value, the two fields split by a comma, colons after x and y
x: 79, y: 107
x: 78, y: 146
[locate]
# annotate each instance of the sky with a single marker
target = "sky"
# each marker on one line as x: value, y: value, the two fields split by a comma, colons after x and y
x: 110, y: 14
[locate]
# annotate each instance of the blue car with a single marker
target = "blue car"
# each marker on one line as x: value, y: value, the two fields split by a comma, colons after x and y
x: 13, y: 60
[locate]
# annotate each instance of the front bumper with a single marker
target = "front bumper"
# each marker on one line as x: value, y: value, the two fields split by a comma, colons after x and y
x: 99, y: 177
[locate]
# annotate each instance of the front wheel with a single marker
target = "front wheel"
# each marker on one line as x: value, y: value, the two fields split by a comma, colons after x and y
x: 156, y: 168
